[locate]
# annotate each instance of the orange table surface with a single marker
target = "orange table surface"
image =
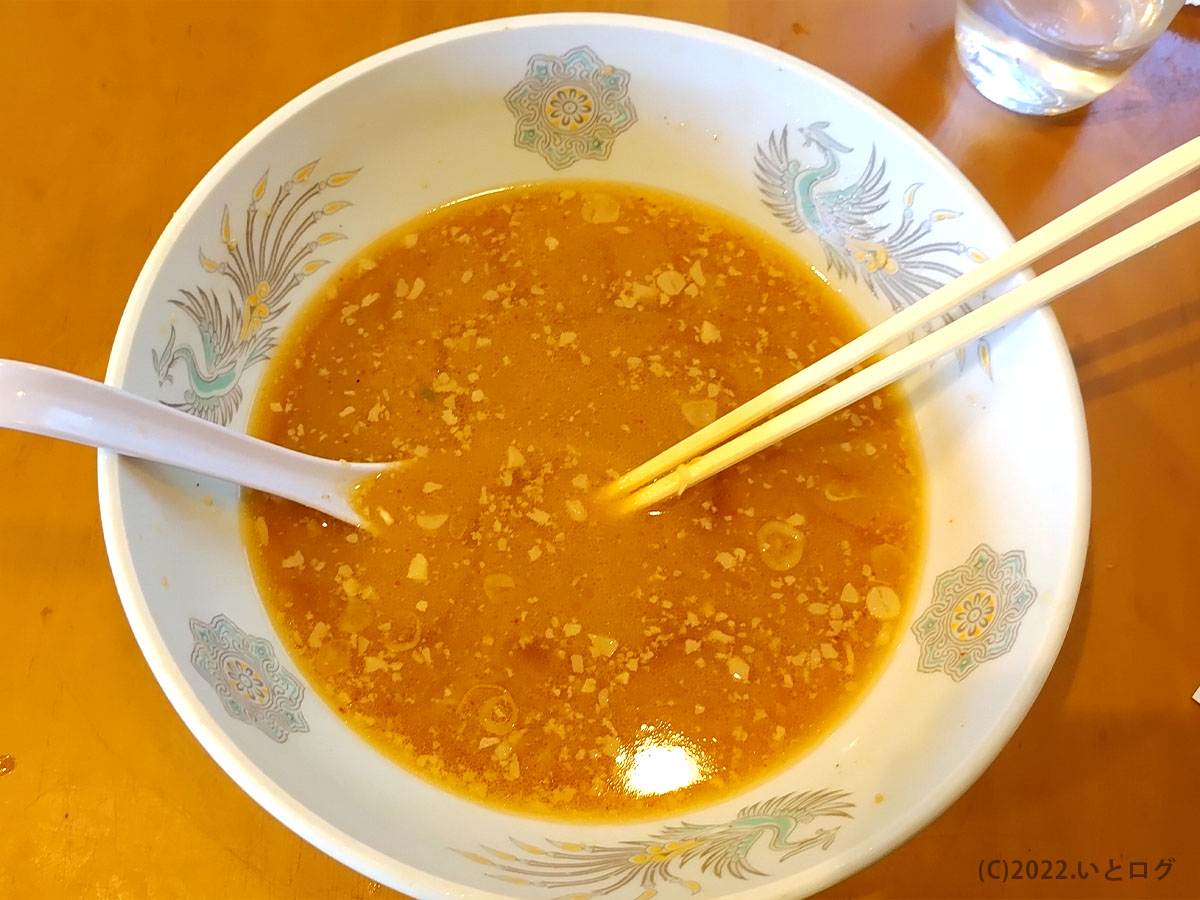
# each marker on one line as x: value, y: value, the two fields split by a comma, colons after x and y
x: 111, y: 112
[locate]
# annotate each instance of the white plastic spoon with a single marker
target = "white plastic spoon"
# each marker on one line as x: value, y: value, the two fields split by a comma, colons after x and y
x: 60, y: 405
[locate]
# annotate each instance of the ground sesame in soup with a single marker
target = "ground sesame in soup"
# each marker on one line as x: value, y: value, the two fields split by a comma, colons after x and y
x: 505, y: 635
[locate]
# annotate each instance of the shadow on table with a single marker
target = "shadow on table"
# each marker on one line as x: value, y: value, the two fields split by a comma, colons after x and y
x: 1095, y: 380
x: 1050, y: 701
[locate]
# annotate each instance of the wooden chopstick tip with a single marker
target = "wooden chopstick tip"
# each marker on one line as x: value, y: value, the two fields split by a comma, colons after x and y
x: 615, y: 488
x: 669, y: 486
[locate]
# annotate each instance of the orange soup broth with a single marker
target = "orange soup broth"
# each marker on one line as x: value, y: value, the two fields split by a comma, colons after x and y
x: 503, y: 633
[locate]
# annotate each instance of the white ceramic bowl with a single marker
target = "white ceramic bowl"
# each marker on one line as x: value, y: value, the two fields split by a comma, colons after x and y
x: 704, y: 114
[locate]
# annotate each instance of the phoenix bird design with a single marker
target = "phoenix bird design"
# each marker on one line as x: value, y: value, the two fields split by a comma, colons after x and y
x: 264, y: 265
x: 718, y: 849
x: 899, y: 263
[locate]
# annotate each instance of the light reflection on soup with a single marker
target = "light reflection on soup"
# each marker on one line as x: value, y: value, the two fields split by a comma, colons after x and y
x: 503, y: 634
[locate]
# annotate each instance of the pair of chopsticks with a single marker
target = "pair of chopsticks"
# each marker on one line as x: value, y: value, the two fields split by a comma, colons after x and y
x: 726, y: 441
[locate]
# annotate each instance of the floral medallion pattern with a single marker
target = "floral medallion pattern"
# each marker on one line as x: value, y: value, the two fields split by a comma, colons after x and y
x: 257, y: 269
x: 246, y: 675
x: 570, y: 107
x: 709, y: 851
x: 975, y: 614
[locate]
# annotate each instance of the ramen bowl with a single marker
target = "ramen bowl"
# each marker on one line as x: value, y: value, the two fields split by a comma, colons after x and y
x: 736, y: 125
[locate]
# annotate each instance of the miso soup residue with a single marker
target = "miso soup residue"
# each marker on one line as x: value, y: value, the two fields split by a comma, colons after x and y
x: 505, y: 636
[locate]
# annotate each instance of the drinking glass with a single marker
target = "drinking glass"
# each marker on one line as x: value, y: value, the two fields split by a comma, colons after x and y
x: 1048, y: 57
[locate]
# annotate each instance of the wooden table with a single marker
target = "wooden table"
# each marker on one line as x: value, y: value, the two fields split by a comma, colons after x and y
x: 112, y: 111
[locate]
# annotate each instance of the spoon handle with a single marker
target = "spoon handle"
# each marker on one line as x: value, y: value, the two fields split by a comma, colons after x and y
x: 65, y: 406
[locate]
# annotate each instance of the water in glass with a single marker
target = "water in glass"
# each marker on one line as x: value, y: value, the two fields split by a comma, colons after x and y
x: 1051, y: 56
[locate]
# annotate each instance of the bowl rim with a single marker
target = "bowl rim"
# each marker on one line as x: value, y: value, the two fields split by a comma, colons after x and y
x: 385, y: 868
